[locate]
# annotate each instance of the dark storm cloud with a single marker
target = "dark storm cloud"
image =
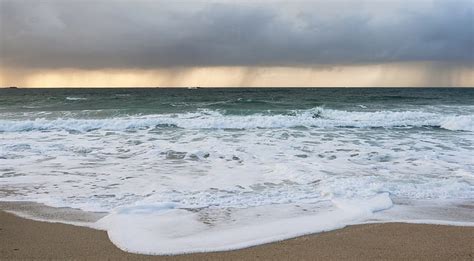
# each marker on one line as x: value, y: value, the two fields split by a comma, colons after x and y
x: 156, y: 34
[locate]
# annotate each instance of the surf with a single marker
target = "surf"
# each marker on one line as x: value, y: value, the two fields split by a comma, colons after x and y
x: 212, y: 119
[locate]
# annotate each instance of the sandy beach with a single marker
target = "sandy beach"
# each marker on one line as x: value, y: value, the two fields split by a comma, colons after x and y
x: 27, y: 239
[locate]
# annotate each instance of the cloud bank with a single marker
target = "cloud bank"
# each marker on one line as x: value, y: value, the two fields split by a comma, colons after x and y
x: 142, y: 34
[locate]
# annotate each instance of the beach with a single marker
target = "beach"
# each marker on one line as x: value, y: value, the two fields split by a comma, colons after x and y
x: 27, y: 239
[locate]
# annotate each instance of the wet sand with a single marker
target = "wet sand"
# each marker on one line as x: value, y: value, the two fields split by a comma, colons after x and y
x: 26, y: 239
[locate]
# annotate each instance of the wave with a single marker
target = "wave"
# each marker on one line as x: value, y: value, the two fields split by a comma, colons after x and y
x: 190, y: 235
x: 75, y: 98
x: 318, y: 117
x: 461, y: 123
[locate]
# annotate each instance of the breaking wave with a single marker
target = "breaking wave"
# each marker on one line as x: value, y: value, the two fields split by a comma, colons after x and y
x: 317, y: 117
x: 75, y: 98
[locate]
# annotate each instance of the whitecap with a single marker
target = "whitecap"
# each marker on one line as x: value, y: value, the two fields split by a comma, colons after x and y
x: 75, y: 98
x: 318, y: 118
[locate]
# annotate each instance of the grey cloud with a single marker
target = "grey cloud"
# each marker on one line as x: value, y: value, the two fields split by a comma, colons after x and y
x: 155, y: 34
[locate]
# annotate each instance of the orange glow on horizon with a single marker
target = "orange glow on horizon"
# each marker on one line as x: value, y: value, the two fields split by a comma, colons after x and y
x: 385, y: 75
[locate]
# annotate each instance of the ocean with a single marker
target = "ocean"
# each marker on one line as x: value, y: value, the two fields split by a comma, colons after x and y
x: 179, y: 170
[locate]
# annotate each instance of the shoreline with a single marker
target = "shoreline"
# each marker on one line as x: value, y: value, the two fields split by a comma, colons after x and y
x: 28, y: 239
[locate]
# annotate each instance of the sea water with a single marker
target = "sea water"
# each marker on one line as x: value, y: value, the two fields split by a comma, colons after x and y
x: 179, y: 170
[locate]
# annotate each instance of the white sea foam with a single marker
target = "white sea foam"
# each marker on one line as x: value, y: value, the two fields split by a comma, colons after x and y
x: 167, y: 229
x: 321, y: 118
x: 75, y: 98
x: 208, y: 181
x: 465, y: 122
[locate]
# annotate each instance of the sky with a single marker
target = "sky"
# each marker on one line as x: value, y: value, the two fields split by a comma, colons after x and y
x: 239, y: 43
